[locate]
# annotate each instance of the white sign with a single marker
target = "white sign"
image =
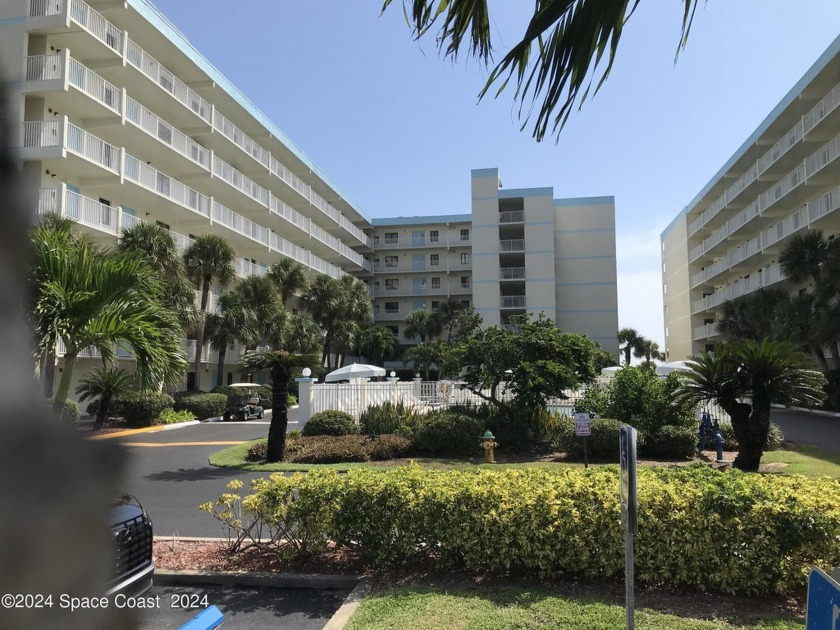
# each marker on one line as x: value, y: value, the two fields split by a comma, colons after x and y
x: 582, y: 428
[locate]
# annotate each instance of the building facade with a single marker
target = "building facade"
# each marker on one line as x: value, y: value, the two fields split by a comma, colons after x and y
x: 782, y: 181
x: 121, y: 121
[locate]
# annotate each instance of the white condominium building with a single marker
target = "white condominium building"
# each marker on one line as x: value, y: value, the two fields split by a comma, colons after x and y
x: 783, y: 180
x: 120, y: 120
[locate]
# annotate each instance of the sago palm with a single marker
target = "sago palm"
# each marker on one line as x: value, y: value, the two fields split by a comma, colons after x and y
x: 107, y: 384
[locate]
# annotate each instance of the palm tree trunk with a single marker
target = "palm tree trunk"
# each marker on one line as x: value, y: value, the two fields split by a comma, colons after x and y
x: 66, y: 377
x: 49, y: 372
x: 818, y: 352
x: 751, y: 448
x: 199, y: 342
x: 626, y: 352
x: 276, y: 448
x: 102, y: 414
x: 220, y: 367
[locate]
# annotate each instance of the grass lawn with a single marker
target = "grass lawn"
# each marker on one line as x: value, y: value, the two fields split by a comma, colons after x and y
x: 802, y: 460
x: 470, y: 607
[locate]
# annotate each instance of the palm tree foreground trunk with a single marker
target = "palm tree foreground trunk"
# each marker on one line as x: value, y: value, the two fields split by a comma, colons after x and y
x: 276, y: 449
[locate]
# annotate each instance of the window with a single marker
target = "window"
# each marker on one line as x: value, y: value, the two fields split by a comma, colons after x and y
x: 376, y: 240
x: 434, y: 260
x: 465, y: 282
x: 392, y: 307
x: 436, y: 283
x: 465, y: 259
x: 392, y: 285
x: 465, y: 303
x: 465, y: 235
x: 392, y: 261
x: 434, y: 236
x: 395, y: 330
x: 435, y: 306
x: 392, y: 237
x: 418, y: 305
x: 710, y: 347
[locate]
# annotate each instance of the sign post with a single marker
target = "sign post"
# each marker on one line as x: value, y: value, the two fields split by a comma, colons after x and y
x: 582, y: 429
x: 823, y: 611
x: 629, y: 514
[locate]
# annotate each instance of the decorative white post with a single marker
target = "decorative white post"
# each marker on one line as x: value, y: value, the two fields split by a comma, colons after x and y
x: 392, y: 391
x: 305, y: 392
x: 418, y: 388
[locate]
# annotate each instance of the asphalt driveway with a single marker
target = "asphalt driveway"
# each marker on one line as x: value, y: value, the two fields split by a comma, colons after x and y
x: 804, y: 427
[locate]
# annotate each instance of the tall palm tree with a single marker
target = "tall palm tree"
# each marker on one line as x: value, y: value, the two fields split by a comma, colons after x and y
x: 54, y: 231
x: 422, y: 324
x: 290, y: 277
x: 157, y: 246
x: 376, y: 343
x: 93, y: 298
x: 303, y: 335
x: 632, y: 341
x: 763, y: 372
x: 106, y: 384
x: 282, y: 365
x: 649, y: 350
x: 798, y: 321
x: 557, y: 57
x: 752, y: 316
x: 234, y: 320
x: 208, y: 260
x: 259, y: 294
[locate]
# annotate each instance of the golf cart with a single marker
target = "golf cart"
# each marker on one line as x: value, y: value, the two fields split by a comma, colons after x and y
x: 243, y: 402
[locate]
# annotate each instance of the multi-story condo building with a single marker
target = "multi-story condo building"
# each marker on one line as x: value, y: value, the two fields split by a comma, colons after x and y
x: 121, y: 121
x: 783, y: 180
x: 519, y: 251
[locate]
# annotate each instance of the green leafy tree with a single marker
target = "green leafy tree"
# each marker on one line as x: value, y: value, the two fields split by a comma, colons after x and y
x: 543, y: 360
x: 282, y: 365
x: 423, y: 355
x: 233, y: 320
x: 95, y: 298
x: 745, y: 378
x: 554, y: 62
x: 376, y: 343
x: 422, y: 324
x: 106, y: 384
x: 260, y: 296
x: 208, y: 260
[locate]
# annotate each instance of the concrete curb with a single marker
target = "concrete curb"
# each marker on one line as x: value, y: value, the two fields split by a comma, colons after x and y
x: 816, y: 412
x: 154, y: 429
x: 276, y: 580
x: 351, y: 603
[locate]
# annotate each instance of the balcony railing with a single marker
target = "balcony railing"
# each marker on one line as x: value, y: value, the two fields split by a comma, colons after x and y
x: 93, y: 22
x: 158, y: 128
x: 240, y: 224
x: 42, y: 133
x: 763, y: 278
x: 241, y: 182
x: 94, y: 149
x: 512, y: 273
x: 512, y: 301
x: 160, y: 183
x: 38, y: 8
x: 95, y: 86
x: 44, y: 67
x: 512, y: 245
x: 241, y: 139
x: 707, y: 331
x: 822, y: 109
x: 513, y: 216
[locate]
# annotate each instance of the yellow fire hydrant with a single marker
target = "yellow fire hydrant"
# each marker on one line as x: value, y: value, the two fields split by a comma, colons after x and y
x: 488, y: 444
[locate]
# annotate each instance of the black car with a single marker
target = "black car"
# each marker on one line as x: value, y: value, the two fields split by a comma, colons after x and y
x: 131, y: 528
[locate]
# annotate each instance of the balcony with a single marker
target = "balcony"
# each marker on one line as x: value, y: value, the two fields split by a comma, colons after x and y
x: 512, y: 245
x: 161, y: 184
x: 93, y: 353
x: 82, y: 15
x: 513, y: 216
x: 241, y: 139
x: 166, y: 133
x: 51, y: 138
x: 512, y: 301
x: 388, y: 316
x: 512, y: 273
x: 822, y: 109
x: 763, y: 278
x: 240, y: 224
x: 706, y: 331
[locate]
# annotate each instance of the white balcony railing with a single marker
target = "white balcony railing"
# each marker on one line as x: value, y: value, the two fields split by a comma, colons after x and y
x: 240, y: 224
x: 40, y: 8
x: 512, y: 301
x: 40, y: 133
x: 241, y: 139
x: 512, y: 245
x: 93, y: 148
x: 512, y: 273
x: 764, y: 277
x: 288, y: 213
x: 95, y: 86
x: 160, y: 183
x: 513, y: 216
x: 44, y: 67
x: 158, y: 128
x: 93, y: 22
x: 707, y: 331
x: 822, y: 109
x: 241, y: 182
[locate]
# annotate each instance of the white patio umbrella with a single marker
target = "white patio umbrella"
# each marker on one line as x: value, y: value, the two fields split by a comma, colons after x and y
x: 673, y: 366
x: 356, y: 370
x: 610, y: 371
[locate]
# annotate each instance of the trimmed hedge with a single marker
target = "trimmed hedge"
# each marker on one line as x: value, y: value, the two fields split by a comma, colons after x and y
x: 728, y: 531
x: 202, y: 406
x: 670, y: 442
x: 68, y: 411
x: 142, y: 409
x: 601, y: 445
x: 448, y: 433
x: 330, y: 422
x: 335, y: 449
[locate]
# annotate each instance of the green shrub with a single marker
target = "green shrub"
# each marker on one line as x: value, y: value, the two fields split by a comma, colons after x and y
x: 336, y: 449
x: 670, y: 442
x: 519, y: 430
x: 170, y: 416
x: 448, y: 433
x: 775, y: 438
x: 722, y: 530
x: 389, y: 418
x: 601, y: 445
x: 200, y: 405
x: 142, y: 409
x: 330, y: 422
x: 68, y: 412
x: 291, y: 401
x: 258, y: 452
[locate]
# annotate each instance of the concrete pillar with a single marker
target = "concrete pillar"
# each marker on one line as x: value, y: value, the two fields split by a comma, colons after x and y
x: 305, y: 395
x: 392, y: 390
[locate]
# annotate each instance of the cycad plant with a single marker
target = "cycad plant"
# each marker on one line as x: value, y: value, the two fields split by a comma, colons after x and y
x: 106, y: 384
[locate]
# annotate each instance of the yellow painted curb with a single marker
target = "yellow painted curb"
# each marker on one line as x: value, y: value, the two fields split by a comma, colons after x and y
x: 158, y: 444
x: 154, y: 429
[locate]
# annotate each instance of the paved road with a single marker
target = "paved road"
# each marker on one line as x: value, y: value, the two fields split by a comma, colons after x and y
x: 243, y: 607
x: 168, y: 471
x: 809, y: 428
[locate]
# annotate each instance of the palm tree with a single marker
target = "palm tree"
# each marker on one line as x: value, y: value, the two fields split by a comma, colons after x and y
x: 157, y: 246
x: 424, y: 354
x: 290, y: 277
x: 632, y: 341
x: 558, y: 54
x: 421, y: 324
x: 752, y: 316
x: 209, y: 259
x: 376, y: 343
x: 106, y: 384
x: 234, y: 320
x: 798, y: 321
x: 649, y: 350
x: 93, y: 298
x: 763, y: 372
x: 282, y: 365
x: 259, y: 294
x: 303, y: 335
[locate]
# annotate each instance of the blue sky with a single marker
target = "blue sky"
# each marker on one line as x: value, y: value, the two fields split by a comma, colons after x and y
x: 398, y: 128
